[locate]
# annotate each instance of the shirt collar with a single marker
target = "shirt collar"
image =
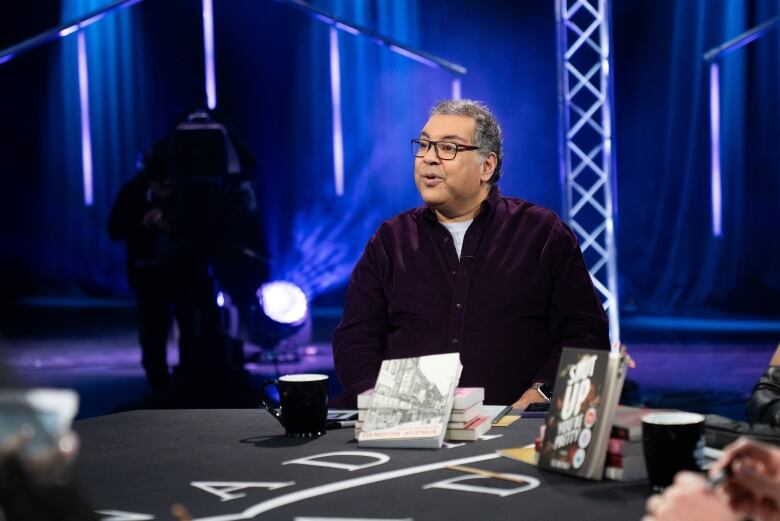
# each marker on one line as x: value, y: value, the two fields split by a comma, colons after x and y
x: 488, y: 205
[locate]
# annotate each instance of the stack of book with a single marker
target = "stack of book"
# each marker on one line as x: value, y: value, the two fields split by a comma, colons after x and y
x: 625, y: 460
x: 466, y: 422
x: 625, y: 455
x: 363, y: 401
x: 411, y: 402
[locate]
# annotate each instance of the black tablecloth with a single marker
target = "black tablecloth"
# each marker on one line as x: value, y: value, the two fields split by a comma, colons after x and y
x: 237, y: 464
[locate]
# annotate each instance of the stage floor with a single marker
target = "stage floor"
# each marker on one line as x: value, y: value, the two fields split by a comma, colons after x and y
x: 96, y: 353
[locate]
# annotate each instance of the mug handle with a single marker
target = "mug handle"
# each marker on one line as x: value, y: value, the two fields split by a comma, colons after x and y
x: 276, y: 412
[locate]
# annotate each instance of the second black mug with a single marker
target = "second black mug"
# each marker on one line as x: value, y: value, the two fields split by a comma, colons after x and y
x: 673, y: 441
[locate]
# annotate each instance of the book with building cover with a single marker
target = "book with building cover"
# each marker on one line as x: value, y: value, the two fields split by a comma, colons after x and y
x: 411, y: 403
x: 578, y: 426
x: 456, y: 415
x: 465, y: 397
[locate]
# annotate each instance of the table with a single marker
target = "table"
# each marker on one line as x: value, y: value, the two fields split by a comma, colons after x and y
x: 236, y: 464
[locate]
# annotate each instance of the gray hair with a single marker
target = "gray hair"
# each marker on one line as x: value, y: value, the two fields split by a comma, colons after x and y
x: 487, y: 134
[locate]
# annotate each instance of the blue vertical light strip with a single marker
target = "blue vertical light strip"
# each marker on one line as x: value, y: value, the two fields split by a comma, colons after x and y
x: 208, y: 53
x: 715, y: 179
x: 335, y: 97
x: 456, y: 94
x: 86, y: 136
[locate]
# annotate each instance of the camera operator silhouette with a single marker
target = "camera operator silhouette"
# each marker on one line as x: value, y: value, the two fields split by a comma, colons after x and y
x: 188, y: 220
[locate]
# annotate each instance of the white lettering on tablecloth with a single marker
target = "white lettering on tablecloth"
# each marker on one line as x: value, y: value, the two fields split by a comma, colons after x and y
x: 118, y: 515
x: 455, y: 484
x: 299, y: 518
x: 224, y: 489
x: 377, y: 457
x: 329, y: 488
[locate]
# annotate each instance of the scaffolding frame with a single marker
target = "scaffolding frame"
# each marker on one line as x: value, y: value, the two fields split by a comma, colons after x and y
x: 587, y: 166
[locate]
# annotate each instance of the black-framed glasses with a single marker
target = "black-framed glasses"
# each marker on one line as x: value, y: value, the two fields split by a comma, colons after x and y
x: 445, y: 150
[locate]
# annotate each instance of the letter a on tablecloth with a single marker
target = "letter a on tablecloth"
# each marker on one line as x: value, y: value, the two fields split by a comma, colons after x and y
x: 224, y: 489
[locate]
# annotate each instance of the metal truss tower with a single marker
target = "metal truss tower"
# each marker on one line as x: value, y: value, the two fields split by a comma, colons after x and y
x: 587, y: 170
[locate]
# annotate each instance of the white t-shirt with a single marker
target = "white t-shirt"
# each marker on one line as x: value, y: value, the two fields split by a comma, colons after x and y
x: 458, y: 231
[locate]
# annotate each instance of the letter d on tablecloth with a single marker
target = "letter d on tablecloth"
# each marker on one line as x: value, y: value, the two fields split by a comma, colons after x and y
x: 377, y: 457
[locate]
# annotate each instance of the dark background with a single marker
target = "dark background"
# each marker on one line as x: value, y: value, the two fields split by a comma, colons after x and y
x: 146, y: 67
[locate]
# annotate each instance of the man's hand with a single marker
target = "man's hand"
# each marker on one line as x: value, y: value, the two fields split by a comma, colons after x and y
x: 529, y: 397
x: 154, y: 217
x: 690, y: 498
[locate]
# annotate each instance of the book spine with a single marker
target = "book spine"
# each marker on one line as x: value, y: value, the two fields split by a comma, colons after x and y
x: 465, y: 397
x: 621, y: 474
x: 620, y: 447
x: 621, y: 433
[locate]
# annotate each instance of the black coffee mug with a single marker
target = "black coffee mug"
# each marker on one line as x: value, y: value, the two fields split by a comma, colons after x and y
x: 673, y: 441
x: 303, y: 404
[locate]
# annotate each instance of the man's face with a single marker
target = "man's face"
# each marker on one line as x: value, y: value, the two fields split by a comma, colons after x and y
x: 452, y: 187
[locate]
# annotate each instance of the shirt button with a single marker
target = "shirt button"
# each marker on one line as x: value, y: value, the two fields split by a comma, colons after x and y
x: 446, y: 239
x: 454, y: 340
x: 458, y: 306
x: 454, y: 272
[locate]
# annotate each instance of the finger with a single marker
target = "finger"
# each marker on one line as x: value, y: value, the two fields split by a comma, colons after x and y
x: 755, y: 478
x: 691, y: 481
x: 765, y: 509
x: 735, y: 489
x: 739, y: 498
x: 748, y: 510
x: 653, y: 503
x: 745, y: 447
x: 729, y: 453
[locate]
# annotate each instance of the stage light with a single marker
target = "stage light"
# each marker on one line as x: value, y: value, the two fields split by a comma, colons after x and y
x: 283, y: 302
x: 86, y: 135
x: 335, y: 99
x: 208, y: 53
x: 279, y: 323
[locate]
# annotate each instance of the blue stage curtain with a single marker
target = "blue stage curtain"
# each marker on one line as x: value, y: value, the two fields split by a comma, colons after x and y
x: 274, y: 90
x: 314, y: 235
x: 75, y: 252
x: 385, y: 102
x: 670, y: 262
x: 273, y: 85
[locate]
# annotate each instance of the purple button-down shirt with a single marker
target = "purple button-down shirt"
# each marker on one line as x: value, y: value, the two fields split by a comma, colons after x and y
x: 519, y: 293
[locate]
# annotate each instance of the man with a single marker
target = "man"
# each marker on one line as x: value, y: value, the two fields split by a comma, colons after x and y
x: 188, y: 220
x: 764, y: 404
x: 497, y: 279
x: 138, y: 217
